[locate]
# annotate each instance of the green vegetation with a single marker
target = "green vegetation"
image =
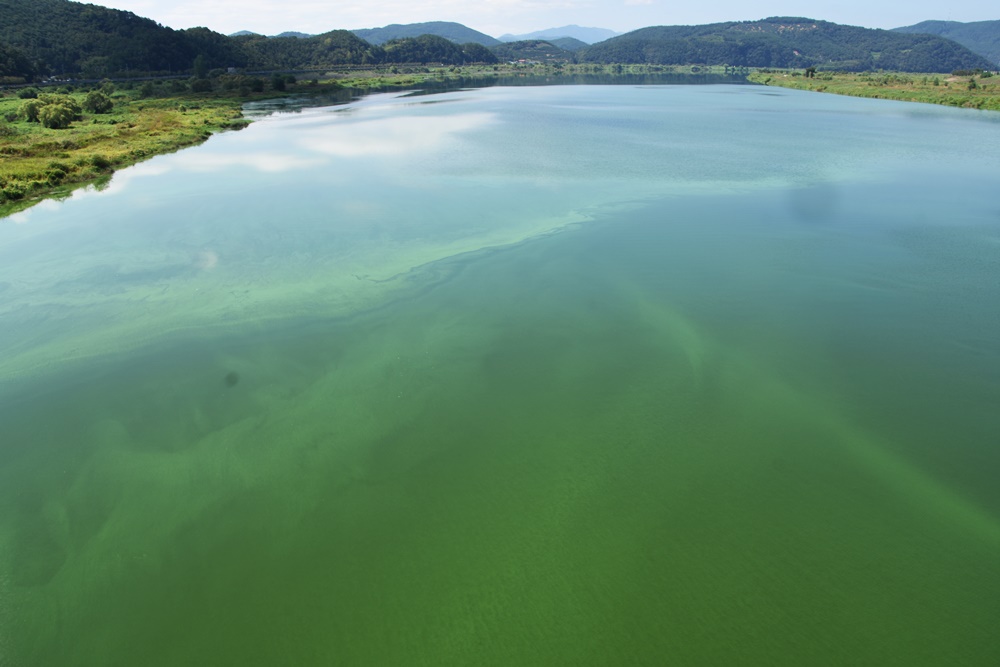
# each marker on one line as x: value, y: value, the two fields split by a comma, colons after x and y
x: 58, y: 37
x: 972, y: 90
x: 982, y: 37
x: 435, y: 49
x: 71, y: 39
x: 61, y: 37
x: 54, y: 142
x: 536, y: 50
x: 786, y: 42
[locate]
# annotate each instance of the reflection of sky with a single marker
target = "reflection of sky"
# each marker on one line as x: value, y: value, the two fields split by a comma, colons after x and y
x: 393, y: 136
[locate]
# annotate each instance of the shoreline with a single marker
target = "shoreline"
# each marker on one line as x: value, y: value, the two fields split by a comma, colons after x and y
x: 968, y: 91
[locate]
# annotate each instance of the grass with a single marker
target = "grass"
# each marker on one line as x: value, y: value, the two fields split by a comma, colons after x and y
x: 966, y: 91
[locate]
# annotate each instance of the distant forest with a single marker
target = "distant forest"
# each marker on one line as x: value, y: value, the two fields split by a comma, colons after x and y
x: 983, y: 37
x: 59, y: 37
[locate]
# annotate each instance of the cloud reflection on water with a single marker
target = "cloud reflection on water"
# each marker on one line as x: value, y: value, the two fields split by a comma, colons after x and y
x: 393, y: 136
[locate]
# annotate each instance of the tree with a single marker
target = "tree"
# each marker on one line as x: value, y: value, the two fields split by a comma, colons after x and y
x: 98, y: 102
x: 56, y: 116
x: 200, y: 67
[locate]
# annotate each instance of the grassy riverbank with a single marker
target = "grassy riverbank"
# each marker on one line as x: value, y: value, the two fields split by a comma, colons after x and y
x: 41, y: 161
x: 976, y: 91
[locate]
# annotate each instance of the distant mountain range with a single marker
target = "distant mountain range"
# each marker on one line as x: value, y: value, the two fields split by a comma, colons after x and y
x: 585, y: 35
x: 982, y: 37
x: 787, y: 42
x: 62, y: 37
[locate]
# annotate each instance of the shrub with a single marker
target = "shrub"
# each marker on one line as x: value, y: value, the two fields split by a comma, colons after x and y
x: 12, y: 192
x: 56, y: 116
x: 30, y: 110
x: 201, y: 86
x: 98, y: 102
x: 100, y: 161
x: 27, y: 93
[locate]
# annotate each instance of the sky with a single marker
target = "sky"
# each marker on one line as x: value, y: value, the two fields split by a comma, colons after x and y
x: 497, y: 17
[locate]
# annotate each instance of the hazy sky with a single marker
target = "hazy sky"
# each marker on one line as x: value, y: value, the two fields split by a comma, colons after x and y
x: 496, y: 17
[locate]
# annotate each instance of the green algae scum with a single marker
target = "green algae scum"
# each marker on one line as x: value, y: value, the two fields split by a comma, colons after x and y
x: 582, y: 375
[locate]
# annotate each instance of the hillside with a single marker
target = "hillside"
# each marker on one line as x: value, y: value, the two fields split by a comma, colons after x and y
x: 454, y: 32
x: 334, y: 47
x: 786, y: 42
x: 568, y: 43
x: 982, y: 37
x: 434, y: 49
x: 75, y: 38
x: 585, y: 35
x: 535, y: 50
x: 15, y: 65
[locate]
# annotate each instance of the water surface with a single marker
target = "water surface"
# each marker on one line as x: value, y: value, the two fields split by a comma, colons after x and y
x: 563, y: 375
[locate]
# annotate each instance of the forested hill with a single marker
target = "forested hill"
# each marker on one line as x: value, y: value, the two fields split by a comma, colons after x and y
x: 454, y: 32
x: 61, y: 37
x: 71, y: 37
x: 982, y: 37
x: 536, y: 50
x: 786, y: 42
x: 15, y: 65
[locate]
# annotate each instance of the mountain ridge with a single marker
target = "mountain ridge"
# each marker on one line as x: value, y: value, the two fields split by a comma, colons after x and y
x: 795, y: 42
x: 982, y: 37
x: 455, y: 32
x: 583, y: 34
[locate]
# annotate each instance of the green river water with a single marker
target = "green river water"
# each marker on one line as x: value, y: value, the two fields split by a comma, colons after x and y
x: 570, y: 375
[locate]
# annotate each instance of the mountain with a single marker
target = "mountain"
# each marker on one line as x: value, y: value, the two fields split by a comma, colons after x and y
x: 300, y: 35
x: 455, y: 32
x: 568, y: 43
x: 531, y: 49
x: 786, y: 42
x: 74, y: 38
x: 435, y: 49
x: 331, y: 48
x: 585, y: 35
x: 982, y: 37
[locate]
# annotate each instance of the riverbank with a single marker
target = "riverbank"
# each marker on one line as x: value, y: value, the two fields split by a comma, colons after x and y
x: 970, y: 91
